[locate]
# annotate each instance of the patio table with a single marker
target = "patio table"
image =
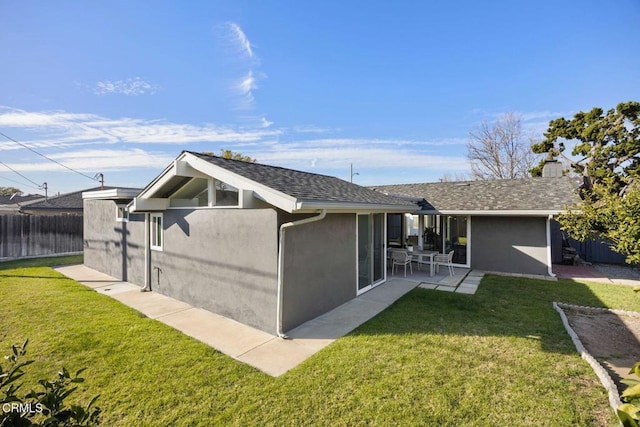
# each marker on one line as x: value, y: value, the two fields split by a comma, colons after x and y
x: 426, y: 254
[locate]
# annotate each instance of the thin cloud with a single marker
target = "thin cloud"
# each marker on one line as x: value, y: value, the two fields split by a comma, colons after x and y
x: 240, y: 39
x: 61, y: 129
x: 131, y: 87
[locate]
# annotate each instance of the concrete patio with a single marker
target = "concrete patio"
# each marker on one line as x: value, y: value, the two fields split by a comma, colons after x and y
x: 464, y: 280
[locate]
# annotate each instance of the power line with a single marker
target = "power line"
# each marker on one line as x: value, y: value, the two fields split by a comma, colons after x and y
x: 20, y: 183
x: 93, y: 178
x: 12, y: 169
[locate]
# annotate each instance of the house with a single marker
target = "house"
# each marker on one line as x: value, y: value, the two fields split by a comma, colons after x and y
x: 12, y: 204
x: 495, y: 225
x: 273, y: 247
x: 267, y: 246
x: 62, y: 204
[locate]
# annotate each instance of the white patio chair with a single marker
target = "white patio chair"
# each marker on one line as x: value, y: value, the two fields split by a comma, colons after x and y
x: 401, y: 258
x: 445, y: 259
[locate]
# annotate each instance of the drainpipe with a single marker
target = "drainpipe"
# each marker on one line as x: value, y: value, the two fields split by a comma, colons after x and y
x: 147, y: 255
x: 549, y: 259
x: 283, y: 228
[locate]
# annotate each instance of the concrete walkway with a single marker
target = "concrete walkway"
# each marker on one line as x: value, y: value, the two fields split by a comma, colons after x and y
x: 601, y: 273
x: 264, y: 351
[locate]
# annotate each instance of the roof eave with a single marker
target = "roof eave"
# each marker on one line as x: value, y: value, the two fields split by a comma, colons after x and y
x: 308, y: 206
x: 493, y: 212
x: 111, y: 194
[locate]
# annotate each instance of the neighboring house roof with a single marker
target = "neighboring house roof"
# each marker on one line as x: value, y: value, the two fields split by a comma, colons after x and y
x: 288, y: 189
x: 13, y: 205
x: 526, y: 196
x: 69, y: 202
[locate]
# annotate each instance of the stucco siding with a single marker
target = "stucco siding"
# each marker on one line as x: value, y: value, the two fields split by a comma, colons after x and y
x: 222, y: 260
x: 509, y: 244
x: 320, y: 267
x: 112, y: 247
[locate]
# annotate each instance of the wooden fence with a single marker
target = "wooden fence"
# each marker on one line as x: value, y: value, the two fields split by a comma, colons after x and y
x: 33, y: 235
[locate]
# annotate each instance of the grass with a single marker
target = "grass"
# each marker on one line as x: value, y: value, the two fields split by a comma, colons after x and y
x: 500, y: 357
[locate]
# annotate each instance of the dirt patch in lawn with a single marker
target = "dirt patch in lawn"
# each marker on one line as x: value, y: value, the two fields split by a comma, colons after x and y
x: 612, y: 339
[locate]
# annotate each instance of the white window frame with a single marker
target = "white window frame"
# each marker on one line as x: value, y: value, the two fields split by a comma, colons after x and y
x: 122, y: 213
x: 155, y: 243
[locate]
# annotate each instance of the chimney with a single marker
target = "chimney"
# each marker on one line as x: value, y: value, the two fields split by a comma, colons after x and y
x: 552, y: 169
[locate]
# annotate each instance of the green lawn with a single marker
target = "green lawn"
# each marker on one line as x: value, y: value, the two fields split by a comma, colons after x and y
x: 500, y: 357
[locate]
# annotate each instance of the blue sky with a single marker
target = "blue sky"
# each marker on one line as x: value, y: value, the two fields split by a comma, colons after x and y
x: 121, y: 87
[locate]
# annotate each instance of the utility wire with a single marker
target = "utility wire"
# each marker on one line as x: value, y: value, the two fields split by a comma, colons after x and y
x: 12, y: 169
x: 48, y: 158
x: 20, y: 183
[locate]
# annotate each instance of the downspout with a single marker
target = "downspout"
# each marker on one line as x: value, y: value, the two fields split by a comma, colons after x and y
x: 549, y: 259
x: 283, y: 228
x: 147, y: 255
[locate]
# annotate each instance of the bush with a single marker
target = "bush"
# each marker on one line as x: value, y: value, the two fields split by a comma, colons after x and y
x: 41, y: 408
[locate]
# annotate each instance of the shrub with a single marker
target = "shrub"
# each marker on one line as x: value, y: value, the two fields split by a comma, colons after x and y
x: 45, y: 407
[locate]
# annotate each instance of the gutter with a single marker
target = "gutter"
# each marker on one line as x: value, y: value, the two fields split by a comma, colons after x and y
x: 147, y: 254
x: 549, y: 259
x: 310, y: 206
x: 283, y: 229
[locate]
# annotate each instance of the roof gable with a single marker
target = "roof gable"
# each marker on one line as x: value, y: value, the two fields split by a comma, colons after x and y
x: 304, y: 186
x: 287, y: 189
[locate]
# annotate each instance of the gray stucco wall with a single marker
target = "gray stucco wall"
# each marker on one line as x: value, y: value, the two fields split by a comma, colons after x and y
x: 509, y: 244
x: 320, y: 267
x: 114, y: 248
x: 222, y: 260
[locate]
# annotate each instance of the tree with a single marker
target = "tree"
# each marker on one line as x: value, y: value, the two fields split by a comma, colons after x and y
x: 608, y: 149
x: 500, y: 150
x: 607, y: 144
x: 456, y: 177
x: 10, y: 191
x: 228, y: 154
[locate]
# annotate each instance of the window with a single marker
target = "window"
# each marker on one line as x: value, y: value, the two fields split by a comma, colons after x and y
x: 226, y: 195
x: 122, y: 213
x: 201, y: 192
x: 156, y: 231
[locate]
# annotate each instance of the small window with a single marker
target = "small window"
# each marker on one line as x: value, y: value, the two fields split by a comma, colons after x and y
x: 156, y: 231
x: 122, y: 213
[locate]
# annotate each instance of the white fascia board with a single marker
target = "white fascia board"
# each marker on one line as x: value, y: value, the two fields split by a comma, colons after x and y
x: 148, y: 205
x: 512, y: 212
x: 111, y: 194
x: 273, y: 197
x: 346, y: 207
x: 183, y: 168
x: 160, y: 180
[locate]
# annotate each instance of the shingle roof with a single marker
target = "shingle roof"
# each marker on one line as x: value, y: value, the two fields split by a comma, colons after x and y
x: 527, y: 194
x: 304, y: 186
x: 7, y: 200
x: 64, y: 202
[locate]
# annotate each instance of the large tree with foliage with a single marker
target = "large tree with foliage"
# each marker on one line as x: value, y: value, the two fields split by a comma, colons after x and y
x: 606, y: 155
x: 10, y: 191
x: 500, y: 150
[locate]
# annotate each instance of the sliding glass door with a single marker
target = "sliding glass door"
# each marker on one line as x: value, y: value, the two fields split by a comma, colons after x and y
x: 371, y: 250
x: 446, y: 233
